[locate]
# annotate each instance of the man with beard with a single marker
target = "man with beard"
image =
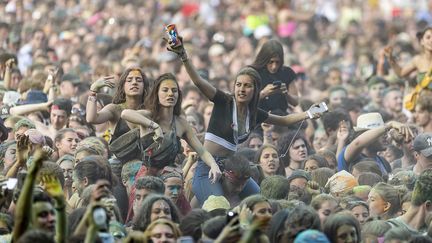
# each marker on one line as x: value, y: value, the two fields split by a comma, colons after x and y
x: 369, y: 140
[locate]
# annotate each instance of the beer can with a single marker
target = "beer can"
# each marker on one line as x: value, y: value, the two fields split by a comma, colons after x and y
x: 172, y: 33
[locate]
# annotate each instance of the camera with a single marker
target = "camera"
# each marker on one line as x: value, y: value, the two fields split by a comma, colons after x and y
x: 320, y: 108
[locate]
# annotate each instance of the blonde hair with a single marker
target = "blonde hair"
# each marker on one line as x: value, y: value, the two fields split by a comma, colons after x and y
x: 175, y: 229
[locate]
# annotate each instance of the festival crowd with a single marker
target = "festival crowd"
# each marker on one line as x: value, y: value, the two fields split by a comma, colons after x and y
x: 246, y: 121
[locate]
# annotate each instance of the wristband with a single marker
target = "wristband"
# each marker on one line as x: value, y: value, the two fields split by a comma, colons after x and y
x: 92, y: 98
x: 183, y: 56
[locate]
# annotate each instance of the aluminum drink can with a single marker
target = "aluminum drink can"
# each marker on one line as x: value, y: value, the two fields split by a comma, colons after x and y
x: 172, y: 33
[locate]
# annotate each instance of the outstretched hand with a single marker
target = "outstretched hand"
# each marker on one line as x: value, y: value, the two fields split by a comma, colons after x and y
x: 52, y: 186
x: 107, y: 81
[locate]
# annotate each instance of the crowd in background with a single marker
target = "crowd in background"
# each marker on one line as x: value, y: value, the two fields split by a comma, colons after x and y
x: 113, y: 131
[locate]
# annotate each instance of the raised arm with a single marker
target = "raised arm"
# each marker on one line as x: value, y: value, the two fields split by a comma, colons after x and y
x: 358, y: 144
x: 24, y: 204
x: 401, y: 72
x: 25, y: 109
x: 204, y: 85
x: 53, y: 187
x: 104, y: 115
x: 8, y: 73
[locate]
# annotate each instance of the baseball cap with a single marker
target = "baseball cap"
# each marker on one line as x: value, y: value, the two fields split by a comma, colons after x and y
x: 423, y: 144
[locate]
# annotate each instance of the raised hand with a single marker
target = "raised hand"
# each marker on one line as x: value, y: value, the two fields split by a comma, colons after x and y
x: 10, y: 63
x: 343, y: 131
x: 23, y: 148
x: 388, y: 52
x: 177, y: 49
x: 52, y: 186
x: 107, y: 81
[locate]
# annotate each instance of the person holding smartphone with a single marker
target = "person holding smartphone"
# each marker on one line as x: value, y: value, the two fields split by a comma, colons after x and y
x: 233, y: 118
x: 277, y: 80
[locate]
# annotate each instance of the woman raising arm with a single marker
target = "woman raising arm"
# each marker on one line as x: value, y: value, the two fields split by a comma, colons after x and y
x: 164, y: 120
x: 130, y: 94
x: 232, y: 119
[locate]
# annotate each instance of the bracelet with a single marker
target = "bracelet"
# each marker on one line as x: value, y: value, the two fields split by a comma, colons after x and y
x: 92, y: 98
x: 184, y: 56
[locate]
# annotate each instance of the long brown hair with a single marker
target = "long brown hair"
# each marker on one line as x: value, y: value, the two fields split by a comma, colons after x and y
x: 120, y: 95
x: 152, y: 101
x: 253, y: 104
x: 270, y: 49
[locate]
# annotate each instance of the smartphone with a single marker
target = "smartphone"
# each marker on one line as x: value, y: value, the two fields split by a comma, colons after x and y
x: 320, y: 108
x: 277, y: 83
x: 185, y: 239
x: 230, y: 216
x: 10, y: 184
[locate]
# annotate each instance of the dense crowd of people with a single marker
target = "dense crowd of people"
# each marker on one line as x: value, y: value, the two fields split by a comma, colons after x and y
x: 261, y: 121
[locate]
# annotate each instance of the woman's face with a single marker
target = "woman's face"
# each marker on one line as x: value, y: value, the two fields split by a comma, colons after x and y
x: 298, y: 151
x: 311, y: 165
x: 162, y: 233
x: 320, y: 140
x: 426, y: 41
x: 377, y: 205
x: 168, y: 93
x: 255, y: 143
x: 244, y: 89
x: 269, y: 161
x: 160, y: 209
x: 68, y: 144
x: 327, y: 208
x: 346, y: 234
x: 10, y: 156
x: 361, y: 213
x: 274, y: 64
x: 134, y: 85
x: 262, y: 211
